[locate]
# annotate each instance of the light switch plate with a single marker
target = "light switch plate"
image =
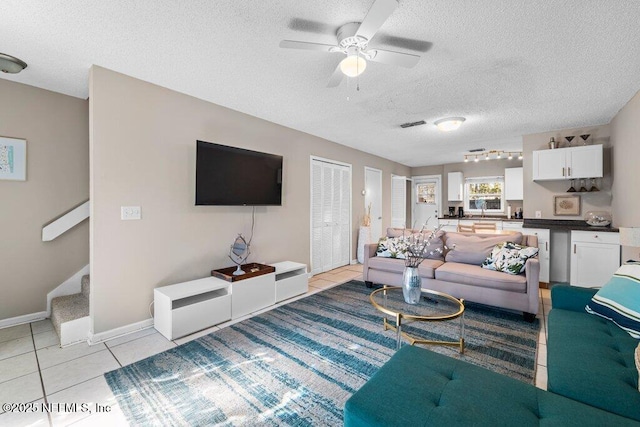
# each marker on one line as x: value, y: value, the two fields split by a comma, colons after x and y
x: 538, y: 214
x: 130, y: 212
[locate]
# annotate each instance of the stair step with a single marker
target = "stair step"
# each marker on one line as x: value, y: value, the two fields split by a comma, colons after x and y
x: 85, y: 285
x: 68, y: 308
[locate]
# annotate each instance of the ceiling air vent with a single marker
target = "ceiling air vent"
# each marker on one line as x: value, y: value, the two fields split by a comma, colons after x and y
x: 410, y: 125
x: 476, y: 150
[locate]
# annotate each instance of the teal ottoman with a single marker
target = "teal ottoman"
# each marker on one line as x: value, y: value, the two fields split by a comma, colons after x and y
x: 418, y: 387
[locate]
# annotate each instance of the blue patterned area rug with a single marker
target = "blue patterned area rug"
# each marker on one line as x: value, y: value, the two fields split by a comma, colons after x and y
x: 299, y: 363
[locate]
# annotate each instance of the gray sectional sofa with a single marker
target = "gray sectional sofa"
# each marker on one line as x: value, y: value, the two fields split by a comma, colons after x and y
x: 459, y: 272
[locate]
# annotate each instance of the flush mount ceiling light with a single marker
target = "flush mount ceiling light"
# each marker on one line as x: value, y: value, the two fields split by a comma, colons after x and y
x: 11, y: 64
x: 353, y: 65
x: 449, y: 124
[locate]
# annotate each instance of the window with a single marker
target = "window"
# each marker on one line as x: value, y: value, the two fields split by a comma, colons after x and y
x: 426, y: 193
x: 484, y: 194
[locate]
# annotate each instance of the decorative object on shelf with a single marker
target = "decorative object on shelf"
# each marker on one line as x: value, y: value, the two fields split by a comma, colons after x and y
x: 584, y: 138
x: 239, y: 253
x: 569, y: 139
x: 583, y: 189
x: 13, y: 159
x: 630, y: 236
x: 598, y: 218
x: 418, y: 248
x: 566, y: 205
x: 250, y: 270
x: 593, y: 185
x: 493, y: 155
x: 10, y: 64
x: 364, y: 234
x: 572, y: 189
x: 553, y: 144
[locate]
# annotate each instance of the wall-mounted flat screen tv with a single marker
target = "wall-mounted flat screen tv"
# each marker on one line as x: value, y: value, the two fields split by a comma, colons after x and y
x: 230, y: 176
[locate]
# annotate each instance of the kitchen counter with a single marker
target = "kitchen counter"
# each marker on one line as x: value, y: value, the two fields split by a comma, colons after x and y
x: 563, y: 224
x: 485, y: 218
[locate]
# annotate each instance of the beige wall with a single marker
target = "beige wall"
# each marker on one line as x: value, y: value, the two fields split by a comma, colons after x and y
x: 470, y: 170
x: 625, y: 139
x: 57, y: 133
x: 143, y: 140
x: 539, y: 195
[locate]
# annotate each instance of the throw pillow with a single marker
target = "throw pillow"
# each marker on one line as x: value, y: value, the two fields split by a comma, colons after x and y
x: 474, y: 249
x: 509, y: 257
x: 619, y: 300
x: 638, y: 364
x: 392, y: 247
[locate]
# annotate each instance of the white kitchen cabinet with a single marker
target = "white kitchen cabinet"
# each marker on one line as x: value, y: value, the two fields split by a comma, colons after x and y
x: 544, y: 250
x: 595, y: 256
x: 513, y: 184
x: 568, y: 163
x: 455, y: 187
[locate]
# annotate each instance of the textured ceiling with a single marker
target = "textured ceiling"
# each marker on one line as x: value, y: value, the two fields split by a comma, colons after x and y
x: 511, y: 67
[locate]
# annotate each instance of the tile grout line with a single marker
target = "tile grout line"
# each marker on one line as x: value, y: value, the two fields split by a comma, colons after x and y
x: 44, y: 392
x: 114, y: 356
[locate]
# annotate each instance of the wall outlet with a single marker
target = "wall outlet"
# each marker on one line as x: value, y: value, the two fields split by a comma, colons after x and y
x: 538, y: 214
x: 130, y: 212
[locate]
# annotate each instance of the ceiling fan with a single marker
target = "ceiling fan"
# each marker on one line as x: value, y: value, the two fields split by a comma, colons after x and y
x: 353, y: 41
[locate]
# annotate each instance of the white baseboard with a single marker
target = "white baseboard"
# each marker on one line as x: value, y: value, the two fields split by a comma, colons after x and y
x: 25, y: 318
x: 69, y: 287
x: 118, y: 332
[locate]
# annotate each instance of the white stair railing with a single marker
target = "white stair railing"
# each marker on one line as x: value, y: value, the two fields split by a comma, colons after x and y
x: 65, y: 222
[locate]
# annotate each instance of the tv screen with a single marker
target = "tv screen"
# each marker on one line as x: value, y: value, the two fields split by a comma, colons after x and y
x: 230, y: 176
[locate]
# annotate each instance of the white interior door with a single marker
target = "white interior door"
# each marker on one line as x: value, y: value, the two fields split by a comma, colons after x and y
x: 330, y: 215
x: 398, y: 201
x: 373, y: 197
x: 426, y: 200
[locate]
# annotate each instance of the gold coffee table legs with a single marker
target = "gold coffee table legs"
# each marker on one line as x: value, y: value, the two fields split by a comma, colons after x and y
x: 401, y: 334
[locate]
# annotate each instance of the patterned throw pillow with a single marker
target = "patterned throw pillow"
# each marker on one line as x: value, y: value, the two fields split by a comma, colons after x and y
x: 392, y: 247
x: 509, y: 257
x: 619, y: 299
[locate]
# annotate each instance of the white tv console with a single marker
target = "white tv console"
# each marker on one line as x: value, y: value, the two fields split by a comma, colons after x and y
x: 187, y: 307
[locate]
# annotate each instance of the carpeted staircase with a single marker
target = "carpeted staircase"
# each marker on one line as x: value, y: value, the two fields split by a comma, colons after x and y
x: 70, y: 314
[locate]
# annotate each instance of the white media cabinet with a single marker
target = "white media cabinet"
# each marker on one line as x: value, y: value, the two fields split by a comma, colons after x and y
x: 187, y: 307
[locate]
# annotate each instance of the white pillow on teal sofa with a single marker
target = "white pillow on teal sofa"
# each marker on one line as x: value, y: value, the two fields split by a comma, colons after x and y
x: 619, y: 299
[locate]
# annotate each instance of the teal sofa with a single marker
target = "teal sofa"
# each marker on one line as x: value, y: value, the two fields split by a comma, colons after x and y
x: 590, y: 359
x: 592, y: 381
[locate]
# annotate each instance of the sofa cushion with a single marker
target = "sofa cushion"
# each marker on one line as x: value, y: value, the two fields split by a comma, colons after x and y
x: 426, y: 269
x: 418, y: 387
x: 474, y: 248
x: 590, y: 359
x: 637, y: 357
x: 619, y: 299
x: 509, y: 258
x: 477, y: 276
x: 397, y: 232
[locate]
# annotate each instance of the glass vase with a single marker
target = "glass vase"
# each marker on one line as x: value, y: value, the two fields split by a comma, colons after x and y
x: 411, y: 285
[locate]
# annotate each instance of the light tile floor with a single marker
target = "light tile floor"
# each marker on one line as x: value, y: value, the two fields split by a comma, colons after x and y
x: 35, y: 371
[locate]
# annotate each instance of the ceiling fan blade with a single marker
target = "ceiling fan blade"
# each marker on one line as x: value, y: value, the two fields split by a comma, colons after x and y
x: 376, y: 16
x: 394, y: 58
x: 336, y: 77
x: 292, y: 44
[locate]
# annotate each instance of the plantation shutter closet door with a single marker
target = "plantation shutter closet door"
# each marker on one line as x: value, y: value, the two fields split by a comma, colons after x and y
x: 398, y: 201
x: 330, y: 215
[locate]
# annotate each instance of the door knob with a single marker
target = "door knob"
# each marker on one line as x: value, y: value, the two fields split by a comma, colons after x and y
x: 379, y: 217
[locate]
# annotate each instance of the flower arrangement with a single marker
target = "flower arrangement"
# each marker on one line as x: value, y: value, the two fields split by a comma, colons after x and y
x: 418, y: 246
x: 366, y: 219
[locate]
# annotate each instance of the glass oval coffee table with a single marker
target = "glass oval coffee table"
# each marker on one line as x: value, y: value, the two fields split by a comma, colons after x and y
x: 433, y: 306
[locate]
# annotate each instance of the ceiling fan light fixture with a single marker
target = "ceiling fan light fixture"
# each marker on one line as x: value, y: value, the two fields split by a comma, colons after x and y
x: 449, y: 124
x: 10, y: 64
x: 353, y: 65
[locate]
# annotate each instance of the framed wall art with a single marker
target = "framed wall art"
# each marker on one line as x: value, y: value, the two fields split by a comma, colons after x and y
x: 566, y: 205
x: 13, y: 159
